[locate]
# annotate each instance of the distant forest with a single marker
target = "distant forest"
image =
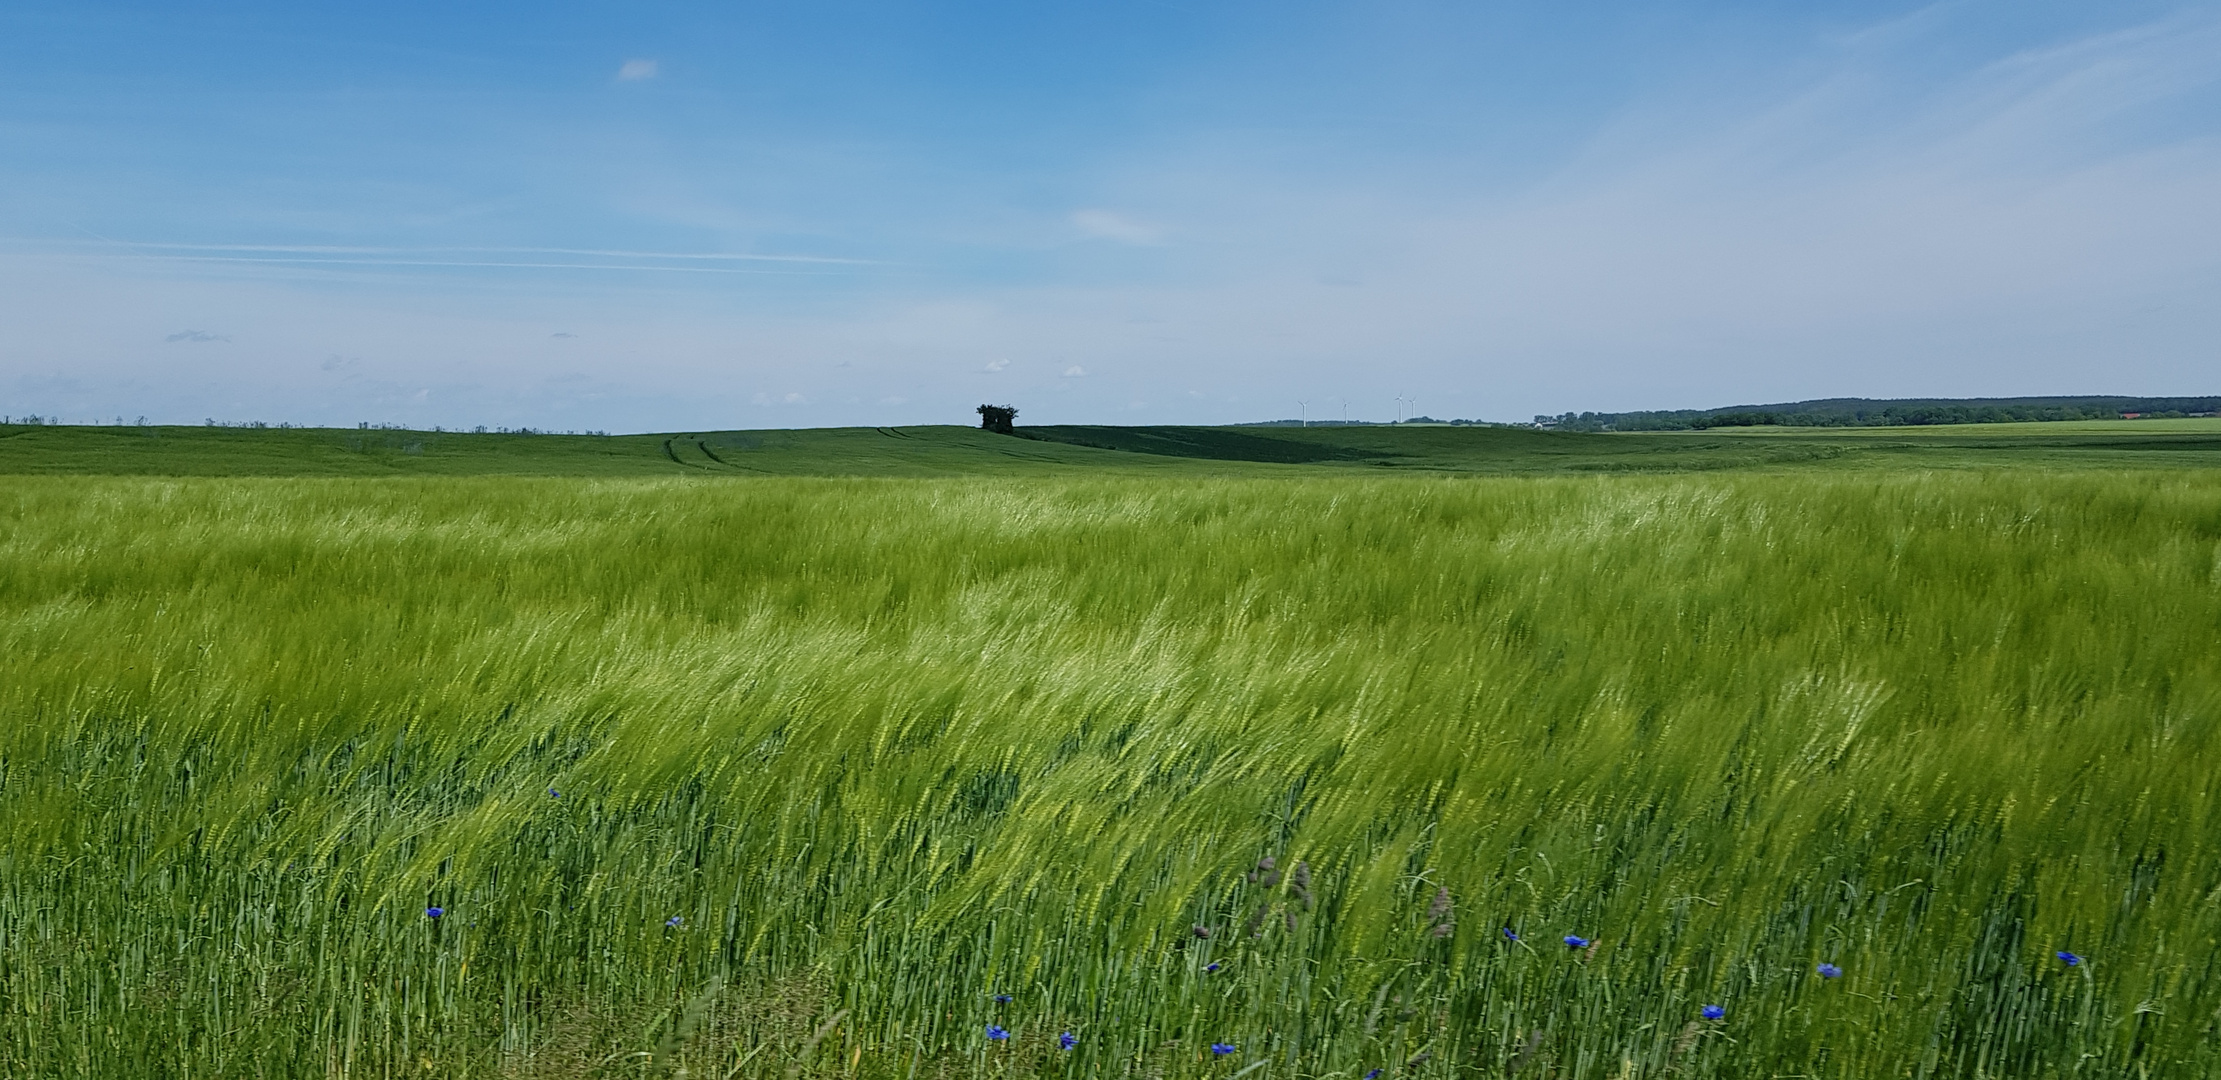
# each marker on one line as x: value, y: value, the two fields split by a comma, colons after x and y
x: 1870, y: 412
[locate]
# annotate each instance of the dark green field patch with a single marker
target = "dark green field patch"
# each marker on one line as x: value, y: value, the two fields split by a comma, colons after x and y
x: 1220, y: 444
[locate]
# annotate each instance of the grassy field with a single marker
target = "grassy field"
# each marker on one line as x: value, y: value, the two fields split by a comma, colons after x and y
x: 737, y: 776
x: 2177, y: 425
x: 1058, y: 450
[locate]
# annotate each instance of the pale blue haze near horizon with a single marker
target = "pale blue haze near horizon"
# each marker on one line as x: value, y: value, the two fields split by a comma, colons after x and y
x: 679, y: 216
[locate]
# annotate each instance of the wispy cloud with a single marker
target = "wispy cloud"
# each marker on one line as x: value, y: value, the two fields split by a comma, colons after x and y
x: 1074, y: 372
x: 458, y: 264
x: 636, y: 70
x: 340, y: 258
x: 1108, y: 225
x: 197, y: 336
x: 996, y: 365
x: 109, y: 245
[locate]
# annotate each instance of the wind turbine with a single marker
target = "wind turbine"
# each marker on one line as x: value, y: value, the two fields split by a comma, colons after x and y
x: 1305, y: 408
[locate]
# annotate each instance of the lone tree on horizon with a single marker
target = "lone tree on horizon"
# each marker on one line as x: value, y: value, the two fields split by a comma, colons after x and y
x: 997, y: 418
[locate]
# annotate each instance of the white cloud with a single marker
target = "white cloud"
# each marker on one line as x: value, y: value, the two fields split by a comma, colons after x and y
x: 636, y: 70
x: 1106, y: 225
x: 1074, y: 372
x: 996, y: 365
x: 197, y: 336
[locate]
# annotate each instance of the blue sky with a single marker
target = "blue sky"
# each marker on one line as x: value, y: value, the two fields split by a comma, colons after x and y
x: 674, y: 216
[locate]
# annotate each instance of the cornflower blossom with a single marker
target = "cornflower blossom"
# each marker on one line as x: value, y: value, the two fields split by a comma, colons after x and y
x: 1829, y: 971
x: 434, y: 912
x: 1714, y: 1012
x: 1067, y: 1041
x: 996, y: 1033
x: 2069, y: 958
x: 1222, y: 1049
x: 1575, y: 941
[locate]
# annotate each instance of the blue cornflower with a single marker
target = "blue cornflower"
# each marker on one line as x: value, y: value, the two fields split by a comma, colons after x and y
x: 1829, y: 971
x: 434, y: 912
x: 1573, y: 941
x: 1372, y: 1075
x: 2070, y: 958
x: 1510, y: 935
x: 674, y: 921
x: 554, y: 794
x: 1067, y: 1041
x: 1002, y: 999
x: 996, y: 1033
x: 1208, y: 968
x: 1714, y: 1012
x: 1222, y: 1049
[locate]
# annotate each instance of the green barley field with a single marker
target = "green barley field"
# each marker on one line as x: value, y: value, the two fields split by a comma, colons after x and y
x: 325, y: 757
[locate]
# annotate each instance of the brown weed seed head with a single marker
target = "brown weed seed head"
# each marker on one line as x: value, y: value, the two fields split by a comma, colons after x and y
x: 1527, y: 1053
x: 1299, y: 883
x: 1441, y: 905
x: 1200, y: 931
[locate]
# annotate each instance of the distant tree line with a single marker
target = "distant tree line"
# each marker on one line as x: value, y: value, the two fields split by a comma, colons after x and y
x: 1866, y: 412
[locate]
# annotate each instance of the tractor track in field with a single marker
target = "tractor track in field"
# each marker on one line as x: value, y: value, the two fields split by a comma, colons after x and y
x: 671, y: 450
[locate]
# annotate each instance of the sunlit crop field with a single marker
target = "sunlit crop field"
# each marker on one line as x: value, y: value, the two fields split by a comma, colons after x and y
x: 895, y: 778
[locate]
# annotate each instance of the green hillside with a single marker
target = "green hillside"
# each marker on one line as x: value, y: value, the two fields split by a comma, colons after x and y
x: 219, y: 451
x: 962, y: 451
x: 1887, y: 412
